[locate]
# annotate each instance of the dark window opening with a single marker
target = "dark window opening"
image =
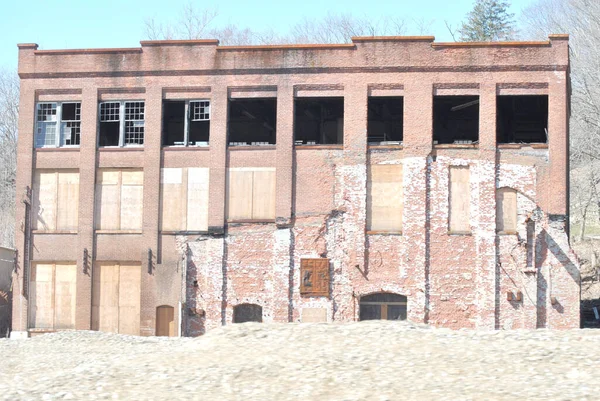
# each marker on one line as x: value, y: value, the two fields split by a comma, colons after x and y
x: 252, y: 121
x: 173, y: 123
x: 522, y: 119
x: 247, y: 313
x: 385, y: 120
x: 109, y: 124
x: 176, y: 123
x: 383, y: 306
x: 455, y: 119
x: 319, y: 121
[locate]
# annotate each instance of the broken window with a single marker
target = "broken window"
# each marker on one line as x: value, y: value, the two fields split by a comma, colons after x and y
x: 52, y: 297
x: 184, y: 199
x: 186, y: 123
x: 455, y: 119
x: 252, y: 122
x: 385, y: 120
x: 506, y: 211
x: 56, y: 200
x: 314, y: 277
x: 58, y: 124
x: 522, y: 119
x: 382, y: 306
x: 121, y: 123
x: 119, y: 199
x: 251, y: 194
x: 247, y: 313
x: 319, y: 121
x: 384, y: 198
x: 459, y: 200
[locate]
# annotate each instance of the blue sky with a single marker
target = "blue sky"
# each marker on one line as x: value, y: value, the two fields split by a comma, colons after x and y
x: 120, y: 23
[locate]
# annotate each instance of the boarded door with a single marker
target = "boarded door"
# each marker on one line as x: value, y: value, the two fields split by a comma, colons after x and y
x: 384, y: 198
x: 52, y: 296
x: 116, y: 297
x: 165, y: 321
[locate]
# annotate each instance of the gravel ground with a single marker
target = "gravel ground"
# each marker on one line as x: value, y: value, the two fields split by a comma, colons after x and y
x: 374, y: 360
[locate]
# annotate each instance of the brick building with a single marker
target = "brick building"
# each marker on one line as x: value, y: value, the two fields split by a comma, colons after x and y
x: 182, y: 185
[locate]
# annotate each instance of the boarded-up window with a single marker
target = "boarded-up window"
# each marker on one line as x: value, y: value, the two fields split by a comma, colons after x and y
x: 116, y: 297
x: 52, y: 296
x: 314, y: 277
x: 184, y: 199
x: 506, y: 214
x: 119, y: 199
x: 460, y: 200
x: 251, y: 194
x: 56, y: 200
x: 385, y: 198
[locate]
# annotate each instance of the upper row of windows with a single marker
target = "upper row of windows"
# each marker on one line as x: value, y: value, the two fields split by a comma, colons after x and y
x: 520, y: 119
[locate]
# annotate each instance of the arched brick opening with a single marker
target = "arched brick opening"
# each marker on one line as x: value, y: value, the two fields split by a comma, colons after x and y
x: 247, y: 313
x: 383, y: 306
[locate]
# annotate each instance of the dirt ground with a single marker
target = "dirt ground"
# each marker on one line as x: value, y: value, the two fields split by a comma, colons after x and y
x: 374, y: 360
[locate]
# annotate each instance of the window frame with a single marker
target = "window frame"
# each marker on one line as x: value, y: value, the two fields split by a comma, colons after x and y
x: 59, y: 133
x: 122, y: 123
x: 186, y: 122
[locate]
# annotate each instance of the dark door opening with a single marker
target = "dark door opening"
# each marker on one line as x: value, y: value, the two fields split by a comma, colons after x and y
x: 247, y: 313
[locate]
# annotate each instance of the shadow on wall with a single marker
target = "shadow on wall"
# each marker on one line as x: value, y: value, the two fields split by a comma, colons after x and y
x: 7, y: 265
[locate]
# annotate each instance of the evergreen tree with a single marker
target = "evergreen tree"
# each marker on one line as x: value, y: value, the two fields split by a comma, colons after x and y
x: 488, y: 21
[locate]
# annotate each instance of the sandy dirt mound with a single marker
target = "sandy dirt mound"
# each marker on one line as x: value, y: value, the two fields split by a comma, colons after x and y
x: 357, y: 361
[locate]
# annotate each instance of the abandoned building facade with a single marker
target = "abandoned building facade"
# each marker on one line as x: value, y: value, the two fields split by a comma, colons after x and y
x: 180, y: 186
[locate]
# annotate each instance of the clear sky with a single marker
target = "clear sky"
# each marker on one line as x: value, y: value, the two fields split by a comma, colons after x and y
x: 58, y: 24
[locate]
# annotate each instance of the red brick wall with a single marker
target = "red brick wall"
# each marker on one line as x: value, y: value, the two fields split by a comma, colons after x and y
x: 450, y: 280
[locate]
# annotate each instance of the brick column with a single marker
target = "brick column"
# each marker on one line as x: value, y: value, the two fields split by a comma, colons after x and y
x: 485, y: 227
x: 354, y: 178
x: 152, y: 158
x: 556, y: 189
x: 418, y: 129
x: 87, y: 180
x: 285, y: 154
x: 218, y: 158
x: 25, y: 160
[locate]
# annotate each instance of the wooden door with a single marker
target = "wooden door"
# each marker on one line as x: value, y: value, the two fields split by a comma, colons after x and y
x: 165, y: 321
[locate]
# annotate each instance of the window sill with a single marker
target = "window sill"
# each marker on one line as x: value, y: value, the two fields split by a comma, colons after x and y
x: 118, y: 231
x: 522, y: 145
x: 184, y: 232
x: 507, y: 233
x: 456, y: 146
x: 120, y: 148
x: 251, y: 147
x: 332, y: 146
x: 177, y: 148
x: 250, y: 221
x: 54, y: 232
x: 375, y: 232
x: 58, y: 149
x: 469, y: 233
x: 380, y: 146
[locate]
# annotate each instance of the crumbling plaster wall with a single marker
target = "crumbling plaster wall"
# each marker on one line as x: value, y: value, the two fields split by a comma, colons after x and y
x: 450, y: 280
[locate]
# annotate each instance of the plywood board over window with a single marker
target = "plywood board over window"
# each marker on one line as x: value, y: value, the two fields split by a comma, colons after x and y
x: 52, y: 296
x: 116, y: 297
x: 184, y: 199
x: 385, y: 200
x: 506, y: 211
x: 251, y: 194
x: 119, y: 199
x: 459, y: 200
x: 56, y: 200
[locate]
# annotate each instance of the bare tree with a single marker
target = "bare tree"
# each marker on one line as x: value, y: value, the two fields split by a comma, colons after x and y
x: 9, y: 112
x: 194, y: 23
